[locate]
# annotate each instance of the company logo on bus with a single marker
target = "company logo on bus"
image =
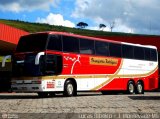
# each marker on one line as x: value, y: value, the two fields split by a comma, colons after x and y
x: 103, y: 61
x: 151, y: 64
x: 50, y: 84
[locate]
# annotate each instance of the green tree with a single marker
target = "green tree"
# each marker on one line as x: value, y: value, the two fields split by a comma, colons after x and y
x: 102, y: 26
x: 82, y: 24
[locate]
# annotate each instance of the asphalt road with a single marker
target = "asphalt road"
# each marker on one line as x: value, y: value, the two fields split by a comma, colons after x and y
x: 18, y: 105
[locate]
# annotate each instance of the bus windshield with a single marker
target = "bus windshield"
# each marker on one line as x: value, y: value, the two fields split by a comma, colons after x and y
x: 32, y: 43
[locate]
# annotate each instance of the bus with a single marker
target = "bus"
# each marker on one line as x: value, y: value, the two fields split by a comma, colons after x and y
x: 51, y: 62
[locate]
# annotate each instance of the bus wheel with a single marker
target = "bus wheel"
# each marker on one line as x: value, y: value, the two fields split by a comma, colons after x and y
x: 42, y: 94
x: 131, y: 87
x: 139, y: 88
x: 69, y: 89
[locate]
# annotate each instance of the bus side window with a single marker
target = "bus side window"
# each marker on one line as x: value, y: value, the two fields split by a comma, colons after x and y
x: 138, y: 53
x: 127, y: 51
x: 153, y: 55
x: 115, y: 50
x: 70, y: 44
x: 55, y: 43
x: 147, y: 54
x: 87, y: 46
x: 102, y: 48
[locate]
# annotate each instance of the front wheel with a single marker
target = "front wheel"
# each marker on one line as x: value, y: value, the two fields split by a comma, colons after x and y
x: 69, y: 89
x: 131, y: 87
x: 139, y: 88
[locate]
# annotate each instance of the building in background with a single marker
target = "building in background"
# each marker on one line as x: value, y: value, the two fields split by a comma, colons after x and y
x: 9, y: 37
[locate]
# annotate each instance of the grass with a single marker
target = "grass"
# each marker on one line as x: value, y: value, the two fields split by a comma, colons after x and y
x: 39, y: 27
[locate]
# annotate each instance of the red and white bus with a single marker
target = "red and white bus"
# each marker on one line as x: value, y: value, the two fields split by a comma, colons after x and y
x: 50, y: 62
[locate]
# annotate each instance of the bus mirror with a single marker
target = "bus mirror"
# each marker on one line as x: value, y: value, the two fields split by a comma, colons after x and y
x: 38, y: 57
x: 8, y: 57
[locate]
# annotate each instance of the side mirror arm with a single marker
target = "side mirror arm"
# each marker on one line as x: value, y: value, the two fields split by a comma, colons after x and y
x: 38, y: 57
x: 5, y: 59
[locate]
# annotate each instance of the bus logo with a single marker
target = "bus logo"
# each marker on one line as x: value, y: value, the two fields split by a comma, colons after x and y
x: 50, y: 84
x: 103, y: 61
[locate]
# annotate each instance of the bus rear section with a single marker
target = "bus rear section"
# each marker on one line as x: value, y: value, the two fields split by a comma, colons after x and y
x: 51, y: 62
x: 159, y: 69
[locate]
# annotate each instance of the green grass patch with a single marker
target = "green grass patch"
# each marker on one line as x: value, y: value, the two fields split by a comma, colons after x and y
x: 39, y: 27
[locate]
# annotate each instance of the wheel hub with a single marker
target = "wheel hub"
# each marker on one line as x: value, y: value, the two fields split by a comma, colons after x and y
x: 131, y: 88
x: 139, y: 87
x: 70, y: 88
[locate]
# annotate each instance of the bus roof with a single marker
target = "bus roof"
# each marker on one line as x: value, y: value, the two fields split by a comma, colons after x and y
x: 93, y: 38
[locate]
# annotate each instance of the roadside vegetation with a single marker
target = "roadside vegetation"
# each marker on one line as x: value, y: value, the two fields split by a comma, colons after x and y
x: 38, y: 27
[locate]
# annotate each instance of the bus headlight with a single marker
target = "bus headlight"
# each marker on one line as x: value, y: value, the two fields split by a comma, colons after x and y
x: 37, y: 82
x: 13, y: 82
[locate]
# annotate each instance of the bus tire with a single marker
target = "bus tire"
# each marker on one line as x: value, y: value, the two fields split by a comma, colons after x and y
x: 69, y: 89
x: 139, y: 88
x: 42, y: 94
x: 130, y: 87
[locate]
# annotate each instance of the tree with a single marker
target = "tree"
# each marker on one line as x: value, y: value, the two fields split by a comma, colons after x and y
x: 102, y: 26
x: 112, y: 25
x: 82, y: 24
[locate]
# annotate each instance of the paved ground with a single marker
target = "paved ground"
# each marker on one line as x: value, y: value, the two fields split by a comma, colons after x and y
x: 84, y: 103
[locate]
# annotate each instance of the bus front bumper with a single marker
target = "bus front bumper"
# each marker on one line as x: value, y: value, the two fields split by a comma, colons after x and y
x: 27, y: 88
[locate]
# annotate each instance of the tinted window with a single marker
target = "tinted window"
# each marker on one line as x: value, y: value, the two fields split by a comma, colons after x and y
x: 86, y: 46
x: 70, y: 44
x: 115, y: 50
x: 153, y: 55
x: 53, y: 64
x: 147, y: 53
x: 55, y: 43
x: 127, y: 51
x: 30, y: 43
x: 139, y: 53
x: 102, y: 48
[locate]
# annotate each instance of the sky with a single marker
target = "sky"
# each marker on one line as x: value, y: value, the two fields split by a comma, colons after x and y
x: 129, y: 16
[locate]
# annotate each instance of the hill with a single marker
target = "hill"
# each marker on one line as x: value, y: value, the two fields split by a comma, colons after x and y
x: 38, y: 27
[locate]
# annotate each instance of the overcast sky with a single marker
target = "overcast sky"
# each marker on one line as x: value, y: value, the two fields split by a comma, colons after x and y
x: 131, y: 16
